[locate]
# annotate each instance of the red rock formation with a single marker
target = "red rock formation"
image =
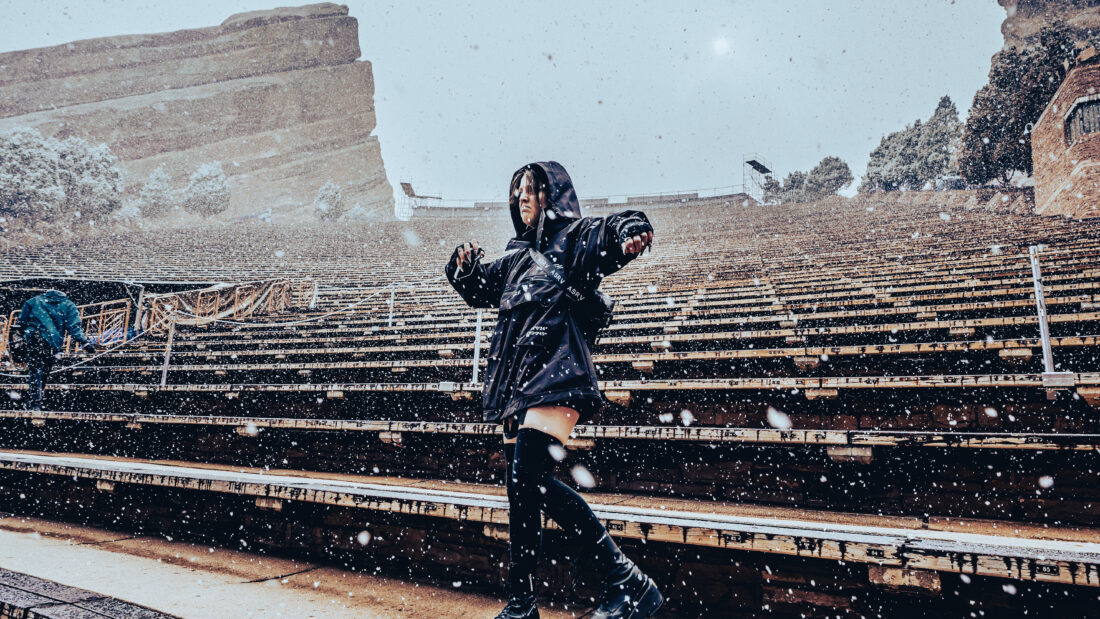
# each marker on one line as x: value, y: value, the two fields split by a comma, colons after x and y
x: 1025, y: 18
x: 277, y: 96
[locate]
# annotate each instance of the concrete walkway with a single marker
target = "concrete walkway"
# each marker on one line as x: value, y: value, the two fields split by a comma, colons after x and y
x: 23, y: 595
x: 190, y: 580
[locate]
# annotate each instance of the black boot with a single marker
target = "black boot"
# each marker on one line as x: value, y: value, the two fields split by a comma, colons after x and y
x: 520, y: 608
x: 627, y: 592
x: 521, y: 596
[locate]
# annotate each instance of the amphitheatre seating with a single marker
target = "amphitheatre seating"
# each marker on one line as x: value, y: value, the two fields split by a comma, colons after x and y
x: 1008, y: 550
x: 885, y: 333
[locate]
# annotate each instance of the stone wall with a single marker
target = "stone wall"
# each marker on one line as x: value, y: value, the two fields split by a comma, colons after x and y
x: 1067, y: 178
x: 276, y: 96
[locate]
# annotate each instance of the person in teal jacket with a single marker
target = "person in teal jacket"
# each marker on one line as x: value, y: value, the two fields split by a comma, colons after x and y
x: 45, y: 321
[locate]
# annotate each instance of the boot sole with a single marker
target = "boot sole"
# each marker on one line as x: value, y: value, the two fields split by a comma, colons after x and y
x: 649, y: 601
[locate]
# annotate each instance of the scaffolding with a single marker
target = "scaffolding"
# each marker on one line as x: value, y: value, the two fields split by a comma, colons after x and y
x: 755, y: 171
x: 411, y: 201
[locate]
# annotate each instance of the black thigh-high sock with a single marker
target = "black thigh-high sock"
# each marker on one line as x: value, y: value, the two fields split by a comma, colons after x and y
x: 531, y: 481
x: 531, y: 463
x: 572, y: 513
x: 521, y: 581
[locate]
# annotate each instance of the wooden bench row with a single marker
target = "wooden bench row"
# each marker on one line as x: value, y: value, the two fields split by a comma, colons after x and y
x: 674, y: 334
x: 1012, y: 350
x: 407, y: 325
x: 621, y: 391
x: 584, y: 434
x: 999, y: 549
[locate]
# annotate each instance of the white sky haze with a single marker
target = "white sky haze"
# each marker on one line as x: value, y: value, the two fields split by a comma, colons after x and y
x: 632, y: 97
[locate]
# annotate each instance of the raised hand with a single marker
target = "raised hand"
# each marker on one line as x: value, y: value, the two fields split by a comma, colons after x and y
x: 637, y: 243
x: 468, y: 253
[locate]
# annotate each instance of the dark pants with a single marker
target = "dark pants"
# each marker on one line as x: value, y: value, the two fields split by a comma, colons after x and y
x: 40, y: 358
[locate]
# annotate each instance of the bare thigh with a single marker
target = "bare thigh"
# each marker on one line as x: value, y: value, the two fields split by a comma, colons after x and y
x: 557, y: 421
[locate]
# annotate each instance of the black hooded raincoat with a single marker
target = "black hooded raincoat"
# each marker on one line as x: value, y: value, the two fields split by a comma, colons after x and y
x: 538, y: 355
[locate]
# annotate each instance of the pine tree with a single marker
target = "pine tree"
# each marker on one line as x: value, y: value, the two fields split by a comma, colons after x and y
x: 48, y: 179
x: 827, y: 178
x: 938, y: 142
x: 996, y: 142
x: 329, y: 203
x: 773, y: 190
x: 30, y: 184
x: 794, y: 187
x: 155, y: 199
x: 207, y: 191
x: 917, y: 155
x: 90, y: 177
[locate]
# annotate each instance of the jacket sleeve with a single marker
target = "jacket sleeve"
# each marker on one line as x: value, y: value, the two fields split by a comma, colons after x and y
x: 597, y: 252
x: 72, y: 323
x: 481, y: 287
x: 25, y: 314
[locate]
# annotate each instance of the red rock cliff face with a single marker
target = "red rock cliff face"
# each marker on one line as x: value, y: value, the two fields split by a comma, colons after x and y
x: 277, y: 96
x: 1025, y: 18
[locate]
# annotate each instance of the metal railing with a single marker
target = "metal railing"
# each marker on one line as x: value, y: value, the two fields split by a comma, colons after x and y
x: 5, y: 330
x: 103, y: 323
x: 225, y: 302
x: 493, y: 204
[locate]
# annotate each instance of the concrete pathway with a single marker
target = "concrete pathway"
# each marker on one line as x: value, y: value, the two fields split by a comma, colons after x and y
x: 194, y: 581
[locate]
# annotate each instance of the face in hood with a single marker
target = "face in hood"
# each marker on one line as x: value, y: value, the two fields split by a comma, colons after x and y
x: 54, y: 296
x: 562, y: 205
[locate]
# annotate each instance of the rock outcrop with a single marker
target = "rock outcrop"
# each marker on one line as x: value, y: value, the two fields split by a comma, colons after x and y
x: 1025, y: 18
x: 277, y: 96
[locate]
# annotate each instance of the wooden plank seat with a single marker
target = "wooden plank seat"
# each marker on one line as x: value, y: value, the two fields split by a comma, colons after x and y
x: 450, y: 307
x: 796, y: 384
x: 987, y: 548
x: 693, y: 323
x: 790, y: 331
x: 825, y: 352
x: 437, y: 302
x: 459, y: 356
x: 714, y: 291
x: 1036, y: 441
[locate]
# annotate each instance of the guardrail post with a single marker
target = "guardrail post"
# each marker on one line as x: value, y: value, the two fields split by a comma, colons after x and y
x: 168, y: 350
x: 1041, y: 308
x: 477, y: 346
x: 389, y: 323
x: 1051, y: 379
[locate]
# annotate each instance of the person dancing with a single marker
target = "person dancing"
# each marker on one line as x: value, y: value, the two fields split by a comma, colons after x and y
x: 540, y: 380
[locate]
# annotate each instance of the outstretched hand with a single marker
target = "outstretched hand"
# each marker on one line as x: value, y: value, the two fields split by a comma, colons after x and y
x: 468, y: 253
x: 637, y: 243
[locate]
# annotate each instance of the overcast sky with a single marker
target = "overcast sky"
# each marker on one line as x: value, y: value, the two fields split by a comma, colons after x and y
x: 631, y: 96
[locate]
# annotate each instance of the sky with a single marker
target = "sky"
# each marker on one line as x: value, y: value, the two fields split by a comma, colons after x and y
x: 631, y: 97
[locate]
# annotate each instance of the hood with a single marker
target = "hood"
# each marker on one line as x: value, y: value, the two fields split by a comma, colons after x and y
x: 53, y: 296
x: 562, y: 206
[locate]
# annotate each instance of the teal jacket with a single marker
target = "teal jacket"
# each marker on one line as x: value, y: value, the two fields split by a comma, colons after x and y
x: 51, y: 314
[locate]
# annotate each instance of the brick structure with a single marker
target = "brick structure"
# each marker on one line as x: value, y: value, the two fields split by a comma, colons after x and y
x: 1065, y: 145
